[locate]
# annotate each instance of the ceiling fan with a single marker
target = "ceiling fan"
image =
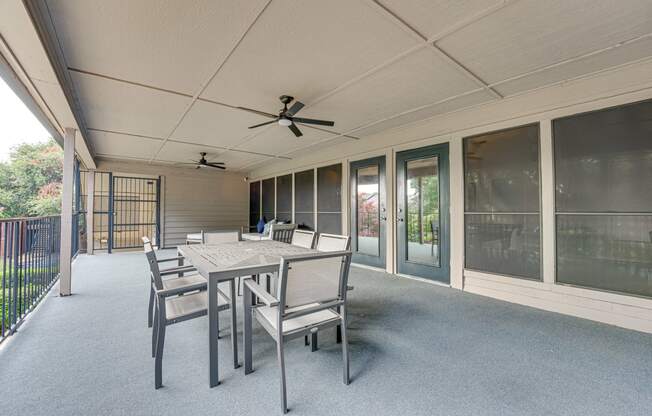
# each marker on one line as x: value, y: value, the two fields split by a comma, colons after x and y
x: 203, y: 163
x: 286, y: 116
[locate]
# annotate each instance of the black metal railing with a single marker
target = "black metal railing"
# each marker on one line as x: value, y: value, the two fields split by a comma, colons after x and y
x: 29, y: 265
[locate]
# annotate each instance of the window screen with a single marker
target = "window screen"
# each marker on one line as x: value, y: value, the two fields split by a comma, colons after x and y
x: 501, y: 192
x: 304, y: 199
x: 254, y: 203
x: 603, y: 199
x: 329, y: 199
x: 268, y: 199
x: 284, y: 198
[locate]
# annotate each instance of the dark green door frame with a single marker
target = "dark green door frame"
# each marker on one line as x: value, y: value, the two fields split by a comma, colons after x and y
x: 359, y: 256
x: 439, y: 272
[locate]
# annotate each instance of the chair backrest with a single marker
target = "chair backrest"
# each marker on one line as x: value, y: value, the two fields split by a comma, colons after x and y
x: 217, y: 237
x: 333, y: 242
x: 314, y: 278
x: 303, y: 238
x: 154, y: 271
x: 282, y: 232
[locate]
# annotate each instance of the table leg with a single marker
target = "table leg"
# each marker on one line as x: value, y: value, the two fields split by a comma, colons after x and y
x: 213, y: 331
x: 234, y: 326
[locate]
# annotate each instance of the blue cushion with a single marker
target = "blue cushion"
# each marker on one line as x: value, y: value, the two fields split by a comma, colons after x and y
x: 260, y: 226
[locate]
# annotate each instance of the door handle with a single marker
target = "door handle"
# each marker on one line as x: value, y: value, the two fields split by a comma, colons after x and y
x: 383, y: 218
x: 400, y: 219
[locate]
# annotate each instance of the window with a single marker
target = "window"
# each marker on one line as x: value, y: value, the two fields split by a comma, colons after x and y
x: 304, y: 199
x: 269, y: 202
x: 329, y: 199
x: 284, y: 198
x: 254, y: 203
x: 603, y: 199
x: 502, y: 210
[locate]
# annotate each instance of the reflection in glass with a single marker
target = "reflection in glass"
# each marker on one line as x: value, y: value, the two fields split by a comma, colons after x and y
x: 422, y: 216
x: 609, y: 252
x: 503, y: 243
x: 368, y: 210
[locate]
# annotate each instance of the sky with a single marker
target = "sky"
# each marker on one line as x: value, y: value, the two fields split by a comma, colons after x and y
x: 17, y: 124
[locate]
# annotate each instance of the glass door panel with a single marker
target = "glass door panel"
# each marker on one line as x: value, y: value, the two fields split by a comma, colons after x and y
x: 422, y: 212
x: 368, y: 211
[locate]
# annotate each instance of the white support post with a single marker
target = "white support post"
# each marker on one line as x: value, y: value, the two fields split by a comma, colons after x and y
x: 456, y: 209
x: 66, y: 212
x: 90, y: 207
x: 547, y: 204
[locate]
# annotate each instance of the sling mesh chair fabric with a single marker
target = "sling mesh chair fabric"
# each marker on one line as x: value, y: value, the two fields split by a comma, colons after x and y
x: 312, y: 287
x: 193, y: 281
x: 174, y: 305
x: 303, y: 238
x: 217, y: 237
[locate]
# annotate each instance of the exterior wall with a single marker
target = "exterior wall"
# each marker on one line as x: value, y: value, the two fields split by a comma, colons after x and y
x: 627, y: 84
x: 192, y: 200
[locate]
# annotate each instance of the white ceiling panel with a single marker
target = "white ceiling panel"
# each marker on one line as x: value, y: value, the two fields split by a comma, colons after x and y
x: 305, y: 49
x: 116, y: 106
x: 216, y: 125
x: 169, y: 44
x: 458, y: 103
x: 187, y: 153
x: 529, y: 34
x: 627, y: 53
x: 316, y: 146
x: 279, y: 140
x: 120, y: 145
x: 421, y: 78
x: 433, y: 17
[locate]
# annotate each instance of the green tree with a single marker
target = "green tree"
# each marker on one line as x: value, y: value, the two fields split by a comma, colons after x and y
x: 30, y: 182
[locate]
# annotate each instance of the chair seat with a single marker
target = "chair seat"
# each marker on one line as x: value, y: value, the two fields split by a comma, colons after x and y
x: 270, y: 314
x: 177, y: 282
x: 192, y: 304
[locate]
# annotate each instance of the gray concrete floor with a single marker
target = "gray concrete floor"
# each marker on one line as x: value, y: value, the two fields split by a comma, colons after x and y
x: 417, y: 349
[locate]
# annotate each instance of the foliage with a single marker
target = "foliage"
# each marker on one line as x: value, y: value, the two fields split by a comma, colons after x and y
x: 422, y: 201
x: 30, y: 182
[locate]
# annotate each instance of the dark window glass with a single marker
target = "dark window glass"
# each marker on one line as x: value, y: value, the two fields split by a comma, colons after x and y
x: 284, y: 198
x: 254, y: 203
x: 501, y: 188
x: 603, y: 160
x: 609, y: 252
x: 507, y: 244
x: 268, y: 199
x: 603, y: 171
x: 329, y: 199
x: 304, y: 199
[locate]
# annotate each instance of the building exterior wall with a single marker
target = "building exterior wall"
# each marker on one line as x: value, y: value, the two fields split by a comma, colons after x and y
x: 624, y: 85
x: 191, y: 200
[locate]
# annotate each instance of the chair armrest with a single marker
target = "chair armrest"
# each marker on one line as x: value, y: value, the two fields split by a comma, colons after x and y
x: 170, y: 259
x: 165, y: 293
x: 176, y: 270
x: 260, y: 292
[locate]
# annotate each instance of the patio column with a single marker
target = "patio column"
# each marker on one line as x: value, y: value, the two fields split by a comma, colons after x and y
x: 90, y: 207
x: 66, y: 212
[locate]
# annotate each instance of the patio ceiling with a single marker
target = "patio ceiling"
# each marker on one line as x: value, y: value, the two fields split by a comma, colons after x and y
x: 159, y: 81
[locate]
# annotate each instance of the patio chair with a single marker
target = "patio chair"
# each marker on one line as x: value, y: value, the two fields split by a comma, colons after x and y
x: 303, y: 238
x: 217, y: 237
x: 174, y: 305
x: 282, y: 232
x: 193, y: 281
x: 311, y: 288
x: 330, y: 242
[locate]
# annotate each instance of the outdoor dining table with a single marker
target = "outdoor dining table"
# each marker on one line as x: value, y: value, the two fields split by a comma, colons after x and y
x: 225, y: 262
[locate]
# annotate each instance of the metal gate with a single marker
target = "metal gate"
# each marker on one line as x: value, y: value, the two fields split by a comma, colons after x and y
x: 135, y: 209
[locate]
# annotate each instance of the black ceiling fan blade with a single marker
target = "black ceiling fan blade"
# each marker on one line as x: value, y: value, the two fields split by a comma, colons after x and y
x: 313, y: 121
x: 262, y: 113
x: 215, y: 166
x: 262, y: 124
x: 296, y: 107
x: 295, y: 130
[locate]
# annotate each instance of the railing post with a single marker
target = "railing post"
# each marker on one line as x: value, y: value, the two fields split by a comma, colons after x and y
x: 66, y: 212
x: 90, y: 207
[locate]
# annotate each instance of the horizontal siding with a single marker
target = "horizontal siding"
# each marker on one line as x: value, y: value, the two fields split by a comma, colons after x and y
x: 193, y: 200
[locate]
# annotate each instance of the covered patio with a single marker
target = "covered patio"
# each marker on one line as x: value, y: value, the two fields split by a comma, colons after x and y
x: 415, y: 348
x: 487, y: 163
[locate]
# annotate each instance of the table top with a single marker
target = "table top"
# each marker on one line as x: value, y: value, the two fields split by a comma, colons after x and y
x: 254, y: 236
x: 239, y: 258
